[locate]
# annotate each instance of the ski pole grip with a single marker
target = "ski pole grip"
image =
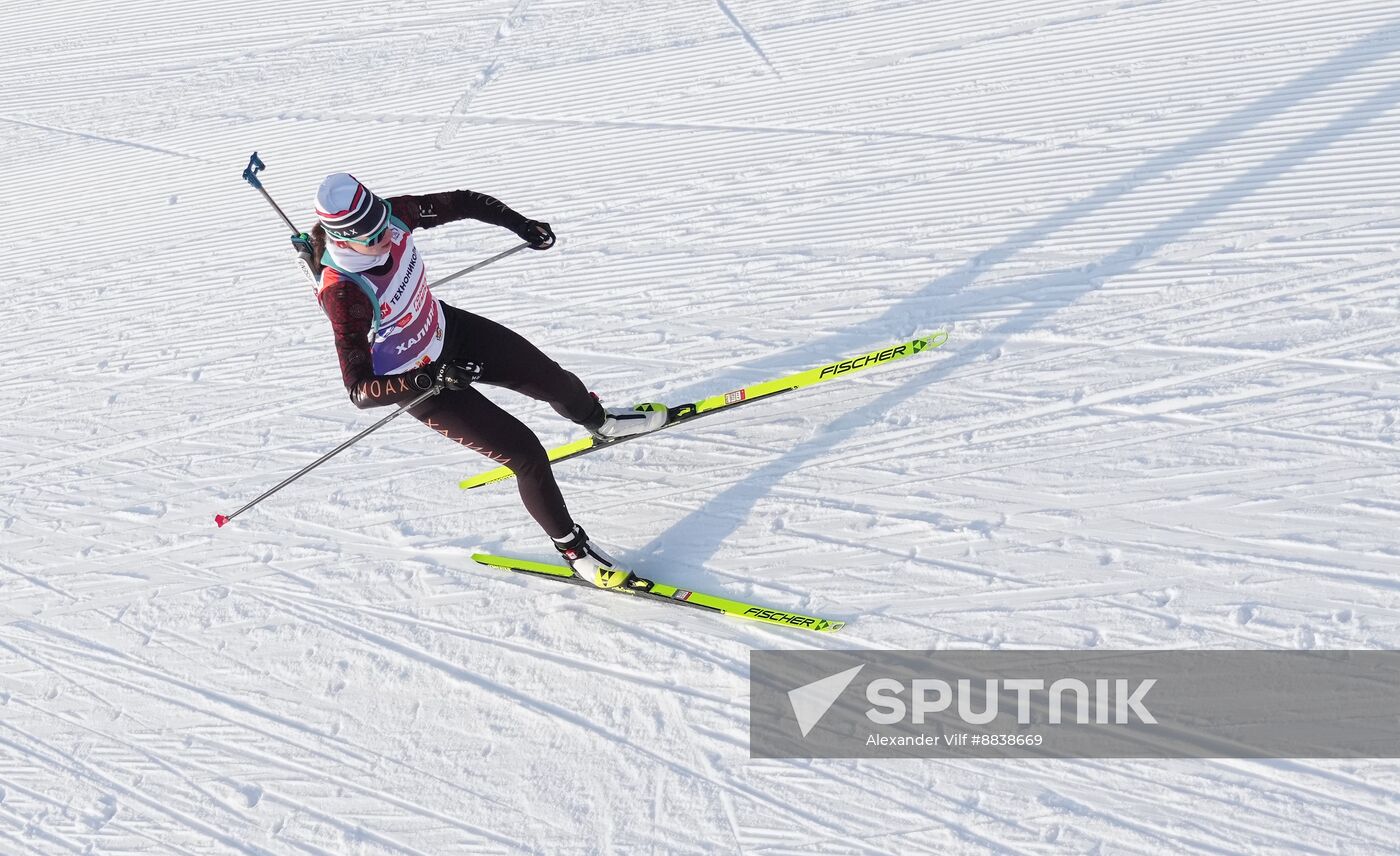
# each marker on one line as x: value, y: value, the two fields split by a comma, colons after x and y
x: 250, y: 174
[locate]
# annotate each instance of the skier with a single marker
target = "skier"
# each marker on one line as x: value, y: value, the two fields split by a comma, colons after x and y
x: 396, y: 341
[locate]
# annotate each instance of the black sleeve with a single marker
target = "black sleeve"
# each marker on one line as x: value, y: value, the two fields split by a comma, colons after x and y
x: 434, y: 209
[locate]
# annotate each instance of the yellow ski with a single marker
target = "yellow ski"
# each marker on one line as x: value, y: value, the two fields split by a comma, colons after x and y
x: 682, y: 413
x: 655, y: 590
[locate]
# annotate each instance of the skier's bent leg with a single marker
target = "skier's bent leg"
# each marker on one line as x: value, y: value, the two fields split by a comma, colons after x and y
x: 508, y: 359
x: 469, y: 418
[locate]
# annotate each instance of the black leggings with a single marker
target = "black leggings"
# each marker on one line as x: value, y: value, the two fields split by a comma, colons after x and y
x: 468, y: 417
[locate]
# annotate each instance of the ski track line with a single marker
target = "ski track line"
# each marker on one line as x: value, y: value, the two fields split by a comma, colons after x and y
x: 102, y: 138
x: 29, y: 828
x: 460, y: 110
x: 264, y: 408
x: 355, y: 829
x: 1262, y: 306
x: 1222, y: 824
x: 32, y: 825
x: 903, y: 810
x: 1161, y: 517
x: 859, y: 135
x: 251, y: 414
x: 127, y: 662
x: 59, y: 761
x: 1318, y: 770
x: 350, y: 831
x: 1262, y: 297
x: 677, y: 714
x: 376, y: 754
x: 1226, y: 819
x: 1185, y: 412
x: 172, y: 586
x: 1155, y: 838
x: 442, y: 629
x: 264, y: 792
x: 547, y: 710
x: 162, y: 366
x: 1379, y: 578
x: 1078, y: 452
x: 178, y: 584
x: 881, y: 66
x: 160, y: 762
x: 1110, y: 397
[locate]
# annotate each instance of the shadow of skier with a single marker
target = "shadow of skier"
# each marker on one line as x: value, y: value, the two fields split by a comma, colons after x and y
x: 697, y: 536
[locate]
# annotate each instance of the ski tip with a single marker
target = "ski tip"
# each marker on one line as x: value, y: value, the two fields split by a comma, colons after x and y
x: 220, y: 520
x: 932, y: 340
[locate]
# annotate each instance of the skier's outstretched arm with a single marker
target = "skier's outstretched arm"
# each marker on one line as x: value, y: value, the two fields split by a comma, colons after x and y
x: 434, y: 209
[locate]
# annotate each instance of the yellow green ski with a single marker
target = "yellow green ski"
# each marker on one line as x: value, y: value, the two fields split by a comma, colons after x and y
x: 682, y: 413
x: 659, y: 591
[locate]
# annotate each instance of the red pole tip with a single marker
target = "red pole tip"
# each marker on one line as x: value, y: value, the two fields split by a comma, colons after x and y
x: 220, y: 520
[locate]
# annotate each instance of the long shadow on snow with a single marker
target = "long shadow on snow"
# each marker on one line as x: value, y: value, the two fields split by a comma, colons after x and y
x: 704, y: 532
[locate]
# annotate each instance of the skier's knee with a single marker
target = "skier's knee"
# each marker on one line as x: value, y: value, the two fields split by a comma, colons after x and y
x: 527, y: 458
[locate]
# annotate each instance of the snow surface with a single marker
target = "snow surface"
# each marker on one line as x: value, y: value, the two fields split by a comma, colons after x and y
x: 1162, y: 236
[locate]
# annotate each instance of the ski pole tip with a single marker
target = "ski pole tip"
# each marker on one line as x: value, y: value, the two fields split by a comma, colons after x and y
x: 220, y: 520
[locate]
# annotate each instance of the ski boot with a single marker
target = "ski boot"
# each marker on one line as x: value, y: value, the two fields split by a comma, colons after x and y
x: 613, y: 422
x: 589, y: 562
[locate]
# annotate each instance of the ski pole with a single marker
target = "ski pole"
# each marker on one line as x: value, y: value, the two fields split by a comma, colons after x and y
x: 250, y: 175
x: 221, y: 519
x: 497, y: 257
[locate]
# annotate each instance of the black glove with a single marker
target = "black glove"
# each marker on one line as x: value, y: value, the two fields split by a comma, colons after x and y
x: 538, y: 235
x: 451, y: 376
x: 456, y: 376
